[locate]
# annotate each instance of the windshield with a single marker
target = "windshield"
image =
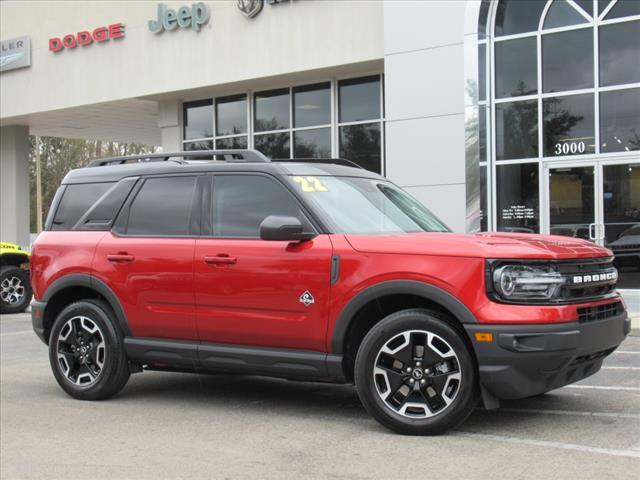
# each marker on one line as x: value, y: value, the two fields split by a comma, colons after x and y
x: 367, y: 206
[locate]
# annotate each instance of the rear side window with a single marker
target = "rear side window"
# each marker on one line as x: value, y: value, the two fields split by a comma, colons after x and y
x: 242, y: 202
x: 162, y: 207
x: 75, y: 202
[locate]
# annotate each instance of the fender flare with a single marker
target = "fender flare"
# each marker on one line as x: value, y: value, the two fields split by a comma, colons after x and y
x: 88, y: 281
x: 395, y: 287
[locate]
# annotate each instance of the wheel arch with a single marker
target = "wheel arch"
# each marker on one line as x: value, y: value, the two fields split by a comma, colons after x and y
x: 380, y: 300
x: 75, y: 287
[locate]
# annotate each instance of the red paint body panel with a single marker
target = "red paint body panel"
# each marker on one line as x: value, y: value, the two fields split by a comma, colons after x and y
x: 255, y: 301
x: 56, y: 254
x: 156, y: 288
x: 251, y: 297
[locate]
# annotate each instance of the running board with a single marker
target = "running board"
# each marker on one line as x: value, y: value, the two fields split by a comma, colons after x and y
x: 200, y: 356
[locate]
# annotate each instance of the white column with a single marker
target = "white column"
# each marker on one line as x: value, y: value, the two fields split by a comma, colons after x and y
x: 14, y: 185
x: 169, y: 121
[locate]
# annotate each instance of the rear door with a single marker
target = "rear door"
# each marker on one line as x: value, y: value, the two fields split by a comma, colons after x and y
x: 256, y: 292
x: 147, y: 258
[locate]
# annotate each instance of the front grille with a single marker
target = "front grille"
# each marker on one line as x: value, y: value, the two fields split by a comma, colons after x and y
x: 586, y: 279
x: 626, y: 247
x: 600, y: 312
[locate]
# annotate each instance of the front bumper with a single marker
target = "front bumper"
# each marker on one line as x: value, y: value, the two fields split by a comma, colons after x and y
x: 527, y: 360
x: 37, y: 319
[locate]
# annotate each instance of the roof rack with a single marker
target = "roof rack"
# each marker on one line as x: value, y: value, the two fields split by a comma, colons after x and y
x: 335, y: 161
x: 231, y: 156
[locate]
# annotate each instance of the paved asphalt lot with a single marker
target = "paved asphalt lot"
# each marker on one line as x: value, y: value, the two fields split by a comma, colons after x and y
x: 166, y: 425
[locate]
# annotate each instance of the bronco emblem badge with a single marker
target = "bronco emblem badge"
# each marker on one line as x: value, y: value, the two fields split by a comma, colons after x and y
x: 250, y: 7
x: 306, y: 298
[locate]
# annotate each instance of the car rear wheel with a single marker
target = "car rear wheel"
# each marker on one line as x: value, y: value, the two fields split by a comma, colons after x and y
x: 15, y: 289
x: 86, y: 351
x: 415, y: 374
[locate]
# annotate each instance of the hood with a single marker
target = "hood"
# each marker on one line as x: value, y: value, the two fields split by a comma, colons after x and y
x: 480, y: 245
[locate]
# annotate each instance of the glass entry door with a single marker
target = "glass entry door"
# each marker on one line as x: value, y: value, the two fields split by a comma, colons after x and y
x: 597, y: 201
x: 571, y: 201
x: 621, y: 219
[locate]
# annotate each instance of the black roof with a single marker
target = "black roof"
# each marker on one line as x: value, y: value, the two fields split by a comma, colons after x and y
x: 117, y: 168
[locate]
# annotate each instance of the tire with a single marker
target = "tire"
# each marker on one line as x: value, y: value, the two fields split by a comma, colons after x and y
x: 15, y: 289
x: 440, y: 390
x: 86, y: 351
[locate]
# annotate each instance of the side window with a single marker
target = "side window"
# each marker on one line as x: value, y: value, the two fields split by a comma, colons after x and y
x: 75, y: 202
x: 242, y: 202
x: 162, y: 207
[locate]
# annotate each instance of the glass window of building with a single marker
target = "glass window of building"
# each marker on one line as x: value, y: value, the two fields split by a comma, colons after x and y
x: 567, y: 60
x: 312, y: 105
x: 569, y: 127
x: 231, y: 115
x: 360, y: 125
x: 517, y: 17
x: 198, y: 119
x: 516, y: 72
x: 517, y: 198
x: 561, y: 14
x: 271, y: 110
x: 359, y: 99
x: 563, y: 80
x: 312, y: 143
x: 619, y: 53
x: 299, y: 121
x: 623, y: 8
x: 360, y: 143
x: 620, y: 120
x: 516, y: 130
x: 273, y: 145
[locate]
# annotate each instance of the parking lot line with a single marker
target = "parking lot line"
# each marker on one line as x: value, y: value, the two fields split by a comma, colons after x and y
x: 635, y: 416
x: 549, y: 444
x: 602, y: 387
x: 22, y: 332
x: 620, y: 368
x: 626, y: 352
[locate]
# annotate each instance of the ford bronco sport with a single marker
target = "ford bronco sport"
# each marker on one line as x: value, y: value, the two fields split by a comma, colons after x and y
x: 310, y: 270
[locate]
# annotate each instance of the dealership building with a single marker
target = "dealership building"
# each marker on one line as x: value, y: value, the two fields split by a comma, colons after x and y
x: 499, y: 115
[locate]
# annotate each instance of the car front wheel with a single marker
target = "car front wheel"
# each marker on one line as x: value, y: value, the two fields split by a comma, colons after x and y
x: 415, y: 374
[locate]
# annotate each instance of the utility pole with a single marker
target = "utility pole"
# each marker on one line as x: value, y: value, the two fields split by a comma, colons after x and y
x: 38, y: 187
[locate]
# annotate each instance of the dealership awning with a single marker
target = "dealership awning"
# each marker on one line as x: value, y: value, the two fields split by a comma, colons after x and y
x: 131, y: 120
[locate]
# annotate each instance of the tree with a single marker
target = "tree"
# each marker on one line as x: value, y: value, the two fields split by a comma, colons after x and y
x: 59, y: 155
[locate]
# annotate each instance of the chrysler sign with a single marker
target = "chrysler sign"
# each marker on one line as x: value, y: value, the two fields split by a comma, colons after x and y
x: 15, y: 53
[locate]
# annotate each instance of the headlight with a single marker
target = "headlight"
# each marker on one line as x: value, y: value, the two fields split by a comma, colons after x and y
x: 527, y: 282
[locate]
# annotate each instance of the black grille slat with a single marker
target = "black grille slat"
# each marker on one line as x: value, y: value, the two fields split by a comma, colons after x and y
x: 599, y: 312
x: 573, y: 292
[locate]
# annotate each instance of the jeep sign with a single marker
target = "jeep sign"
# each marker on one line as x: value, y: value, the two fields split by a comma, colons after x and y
x: 169, y: 19
x: 15, y: 53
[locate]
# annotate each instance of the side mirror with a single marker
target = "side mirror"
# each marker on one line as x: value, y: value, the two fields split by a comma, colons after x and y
x: 288, y: 229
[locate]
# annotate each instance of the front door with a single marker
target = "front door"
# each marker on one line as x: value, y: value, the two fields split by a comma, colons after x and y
x: 597, y: 201
x: 257, y: 292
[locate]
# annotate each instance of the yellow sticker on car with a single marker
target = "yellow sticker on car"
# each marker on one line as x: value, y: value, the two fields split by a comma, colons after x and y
x: 310, y: 184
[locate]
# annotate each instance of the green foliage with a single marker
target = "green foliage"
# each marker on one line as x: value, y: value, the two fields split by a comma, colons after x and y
x: 59, y: 155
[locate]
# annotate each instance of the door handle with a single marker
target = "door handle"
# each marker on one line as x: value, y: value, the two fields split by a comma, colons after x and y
x: 120, y: 258
x: 592, y: 227
x: 221, y: 259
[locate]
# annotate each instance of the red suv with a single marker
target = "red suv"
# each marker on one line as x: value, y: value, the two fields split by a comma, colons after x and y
x: 310, y: 270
